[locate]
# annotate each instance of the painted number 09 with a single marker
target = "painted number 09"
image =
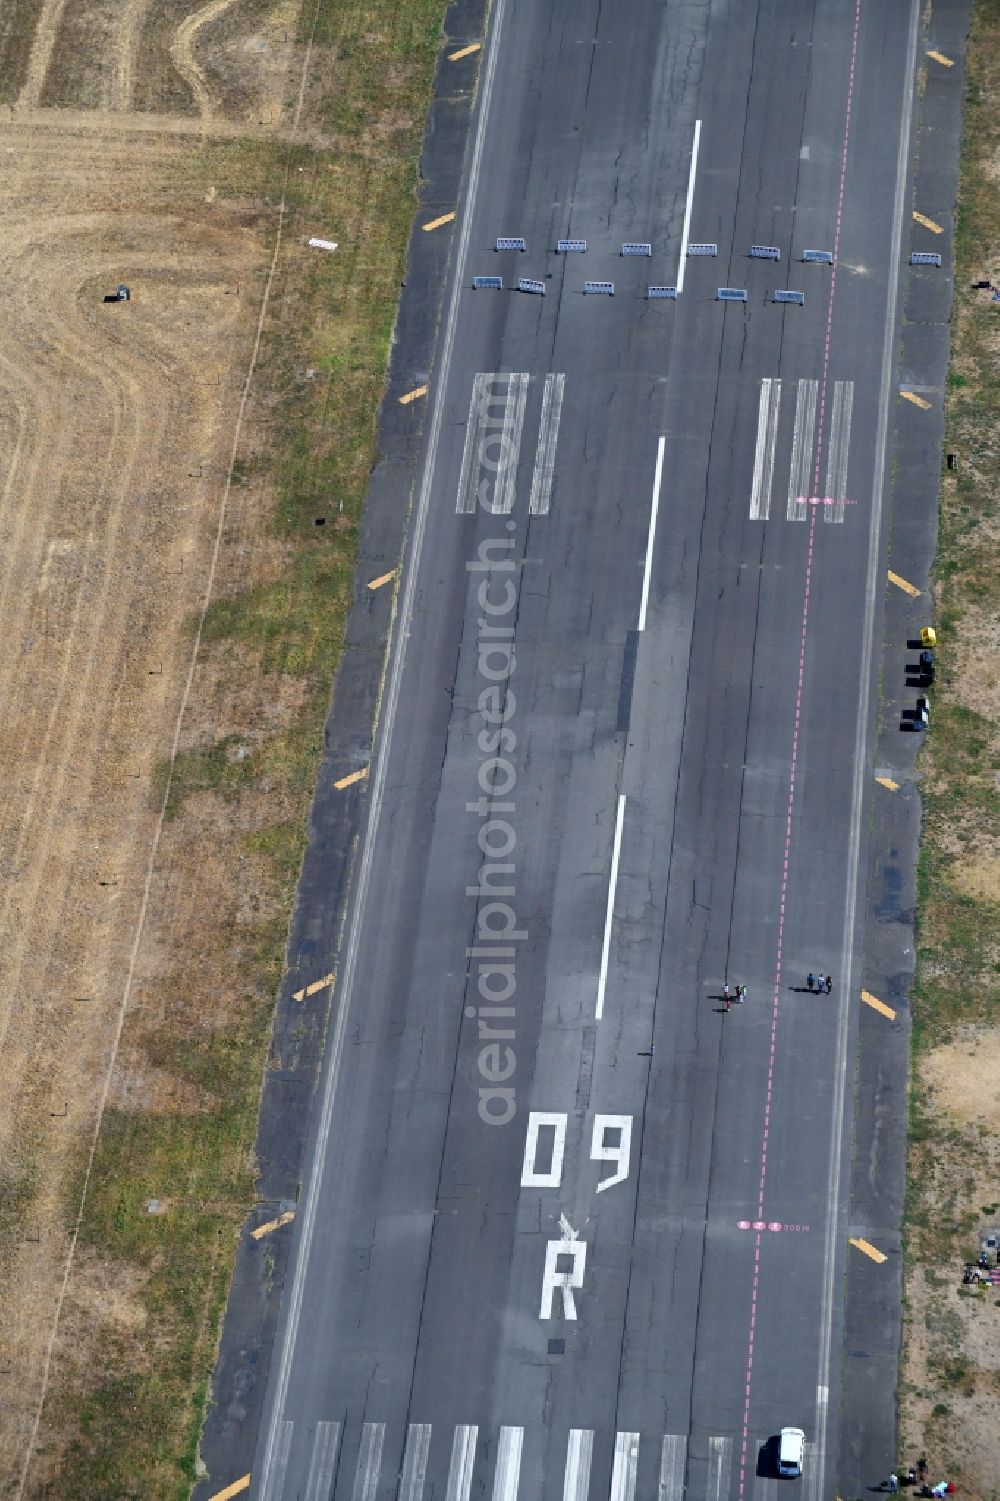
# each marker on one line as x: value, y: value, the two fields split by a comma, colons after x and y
x: 611, y: 1141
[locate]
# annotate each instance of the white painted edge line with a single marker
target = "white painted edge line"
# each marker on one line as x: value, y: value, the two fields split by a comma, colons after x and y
x: 654, y: 511
x: 394, y: 678
x: 602, y: 978
x: 687, y: 207
x: 832, y: 1236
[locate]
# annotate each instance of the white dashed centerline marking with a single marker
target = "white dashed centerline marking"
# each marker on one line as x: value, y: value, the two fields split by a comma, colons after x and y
x: 687, y: 207
x: 602, y: 979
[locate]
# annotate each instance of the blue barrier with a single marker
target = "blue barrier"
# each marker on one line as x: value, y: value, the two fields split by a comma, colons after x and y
x: 601, y: 288
x: 510, y: 242
x: 564, y: 245
x: 765, y: 253
x: 925, y: 258
x: 731, y: 294
x: 654, y: 292
x: 479, y: 282
x: 703, y: 249
x: 824, y: 257
x: 636, y: 247
x: 797, y: 297
x: 529, y: 284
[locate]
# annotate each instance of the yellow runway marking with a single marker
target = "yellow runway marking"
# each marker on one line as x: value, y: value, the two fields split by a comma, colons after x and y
x: 412, y: 395
x: 928, y: 223
x: 436, y: 223
x: 904, y: 584
x: 349, y: 781
x: 877, y: 1005
x: 869, y: 1249
x: 283, y: 1219
x: 918, y: 401
x: 464, y: 51
x: 888, y: 782
x: 383, y: 578
x: 300, y: 995
x: 236, y: 1489
x: 939, y: 57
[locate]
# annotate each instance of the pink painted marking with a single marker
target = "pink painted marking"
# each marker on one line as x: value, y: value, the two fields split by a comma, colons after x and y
x: 823, y: 500
x: 793, y: 769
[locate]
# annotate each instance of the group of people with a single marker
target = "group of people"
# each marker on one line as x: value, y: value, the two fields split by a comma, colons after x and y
x: 918, y: 1474
x: 737, y: 993
x: 817, y: 983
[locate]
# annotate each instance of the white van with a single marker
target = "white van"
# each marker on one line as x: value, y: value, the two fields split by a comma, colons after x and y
x: 790, y: 1446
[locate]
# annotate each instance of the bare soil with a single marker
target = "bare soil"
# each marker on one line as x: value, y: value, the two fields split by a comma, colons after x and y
x: 116, y: 430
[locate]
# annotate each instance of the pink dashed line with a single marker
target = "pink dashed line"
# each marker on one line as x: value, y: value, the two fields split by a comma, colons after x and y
x: 816, y: 501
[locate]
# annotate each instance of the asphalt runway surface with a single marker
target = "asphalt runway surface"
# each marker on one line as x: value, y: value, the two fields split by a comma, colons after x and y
x: 572, y: 1228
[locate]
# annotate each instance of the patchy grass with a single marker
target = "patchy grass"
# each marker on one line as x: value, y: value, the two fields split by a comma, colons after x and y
x: 949, y: 1369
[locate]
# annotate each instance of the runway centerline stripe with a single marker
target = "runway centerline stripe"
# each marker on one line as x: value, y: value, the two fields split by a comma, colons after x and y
x: 686, y: 231
x: 463, y: 1459
x: 507, y: 1476
x: 418, y: 1444
x: 651, y: 537
x: 579, y: 1453
x: 602, y: 978
x: 763, y: 459
x: 839, y: 448
x: 803, y: 434
x: 626, y: 1464
x: 319, y: 1486
x: 545, y: 453
x: 673, y: 1460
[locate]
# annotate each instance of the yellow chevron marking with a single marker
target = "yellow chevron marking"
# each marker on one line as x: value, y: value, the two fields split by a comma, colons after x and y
x: 877, y: 1005
x: 453, y: 57
x: 436, y: 223
x: 868, y: 1249
x: 904, y: 584
x: 283, y: 1219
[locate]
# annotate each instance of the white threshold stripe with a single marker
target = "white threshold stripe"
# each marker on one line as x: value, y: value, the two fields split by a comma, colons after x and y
x: 579, y: 1453
x: 319, y: 1486
x: 763, y: 459
x: 653, y: 513
x: 602, y: 978
x: 548, y: 436
x: 506, y: 481
x: 673, y: 1462
x: 369, y: 1462
x: 840, y: 442
x: 803, y: 436
x: 463, y: 1459
x: 623, y: 1473
x: 687, y: 207
x: 508, y: 1471
x: 418, y: 1443
x: 465, y: 499
x: 720, y: 1459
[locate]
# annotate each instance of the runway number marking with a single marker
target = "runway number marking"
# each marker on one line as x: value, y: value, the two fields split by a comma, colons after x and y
x: 566, y: 1258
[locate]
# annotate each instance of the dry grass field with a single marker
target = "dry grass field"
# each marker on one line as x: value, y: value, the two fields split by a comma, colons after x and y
x: 160, y: 457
